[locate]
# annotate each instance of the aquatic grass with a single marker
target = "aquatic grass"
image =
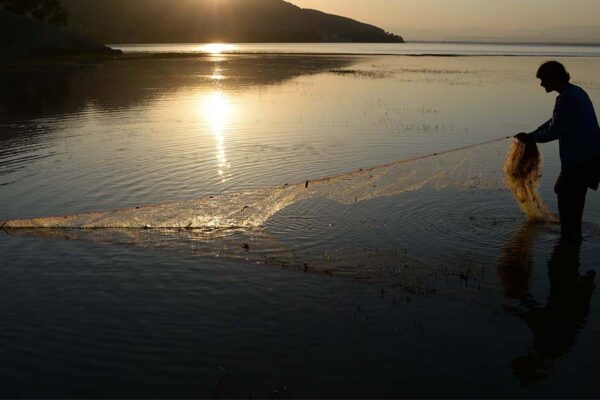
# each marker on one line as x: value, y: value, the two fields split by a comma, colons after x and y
x: 369, y: 74
x: 438, y: 71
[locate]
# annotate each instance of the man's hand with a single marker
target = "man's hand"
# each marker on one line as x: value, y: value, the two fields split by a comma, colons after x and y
x: 524, y: 137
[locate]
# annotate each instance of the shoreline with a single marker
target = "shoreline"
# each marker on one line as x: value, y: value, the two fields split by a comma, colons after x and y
x: 70, y: 60
x: 334, y: 49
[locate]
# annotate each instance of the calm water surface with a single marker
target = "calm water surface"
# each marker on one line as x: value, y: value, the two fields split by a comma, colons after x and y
x: 415, y: 48
x: 412, y: 289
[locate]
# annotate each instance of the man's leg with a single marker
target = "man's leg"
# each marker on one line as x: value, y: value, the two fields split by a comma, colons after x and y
x: 571, y: 191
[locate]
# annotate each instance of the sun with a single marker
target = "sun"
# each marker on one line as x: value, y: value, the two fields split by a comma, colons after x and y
x: 217, y: 48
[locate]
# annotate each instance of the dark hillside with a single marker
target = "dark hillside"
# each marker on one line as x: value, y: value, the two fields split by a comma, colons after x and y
x: 21, y: 36
x: 193, y: 21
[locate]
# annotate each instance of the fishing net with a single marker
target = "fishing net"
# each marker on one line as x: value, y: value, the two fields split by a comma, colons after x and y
x: 421, y: 224
x: 523, y: 171
x: 458, y: 169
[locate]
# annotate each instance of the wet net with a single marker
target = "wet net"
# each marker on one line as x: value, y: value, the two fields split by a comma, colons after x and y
x: 421, y: 224
x: 460, y: 169
x: 523, y: 168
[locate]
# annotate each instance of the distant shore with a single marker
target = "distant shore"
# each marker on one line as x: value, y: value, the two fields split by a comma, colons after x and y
x: 505, y: 43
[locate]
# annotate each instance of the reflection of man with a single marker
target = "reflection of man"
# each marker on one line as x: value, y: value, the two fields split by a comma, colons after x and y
x: 515, y: 267
x: 575, y: 125
x: 555, y: 325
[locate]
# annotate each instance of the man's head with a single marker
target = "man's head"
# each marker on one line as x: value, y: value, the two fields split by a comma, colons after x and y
x: 553, y: 76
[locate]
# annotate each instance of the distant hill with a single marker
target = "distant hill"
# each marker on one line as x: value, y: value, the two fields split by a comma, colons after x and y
x: 21, y: 36
x: 197, y: 21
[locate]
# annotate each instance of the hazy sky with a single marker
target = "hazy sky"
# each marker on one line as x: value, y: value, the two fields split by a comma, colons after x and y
x: 510, y: 16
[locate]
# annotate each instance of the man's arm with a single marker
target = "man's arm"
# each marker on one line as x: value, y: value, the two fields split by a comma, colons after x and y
x: 557, y: 126
x: 543, y: 127
x: 530, y: 137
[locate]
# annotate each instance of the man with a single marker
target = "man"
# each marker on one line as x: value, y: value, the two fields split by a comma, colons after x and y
x: 575, y: 125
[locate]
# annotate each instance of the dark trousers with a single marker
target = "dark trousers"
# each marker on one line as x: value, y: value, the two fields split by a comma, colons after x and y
x: 571, y: 189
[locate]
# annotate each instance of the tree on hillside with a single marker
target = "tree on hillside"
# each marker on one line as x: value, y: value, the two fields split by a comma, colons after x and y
x: 49, y: 11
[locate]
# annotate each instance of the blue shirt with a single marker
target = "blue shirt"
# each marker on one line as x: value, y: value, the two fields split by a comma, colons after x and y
x: 575, y: 125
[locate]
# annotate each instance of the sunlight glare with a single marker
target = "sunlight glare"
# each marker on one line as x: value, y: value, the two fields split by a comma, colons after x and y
x: 217, y: 48
x: 217, y: 74
x: 216, y: 110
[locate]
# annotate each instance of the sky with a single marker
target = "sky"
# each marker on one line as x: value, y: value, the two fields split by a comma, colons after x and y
x: 538, y: 20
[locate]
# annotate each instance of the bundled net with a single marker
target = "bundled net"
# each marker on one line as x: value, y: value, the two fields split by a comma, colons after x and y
x: 522, y: 169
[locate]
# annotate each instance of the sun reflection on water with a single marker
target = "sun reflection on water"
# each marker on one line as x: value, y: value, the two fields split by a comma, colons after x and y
x: 217, y: 74
x: 216, y: 108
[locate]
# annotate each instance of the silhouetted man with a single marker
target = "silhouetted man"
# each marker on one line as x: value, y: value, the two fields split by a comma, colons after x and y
x: 575, y: 125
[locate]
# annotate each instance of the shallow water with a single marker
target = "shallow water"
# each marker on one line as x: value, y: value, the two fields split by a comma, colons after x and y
x: 328, y: 297
x: 411, y: 48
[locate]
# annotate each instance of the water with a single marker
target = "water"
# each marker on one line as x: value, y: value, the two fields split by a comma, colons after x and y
x: 416, y: 48
x: 328, y: 298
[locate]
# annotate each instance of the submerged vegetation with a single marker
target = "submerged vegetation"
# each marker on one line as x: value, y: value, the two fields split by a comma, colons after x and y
x: 370, y: 74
